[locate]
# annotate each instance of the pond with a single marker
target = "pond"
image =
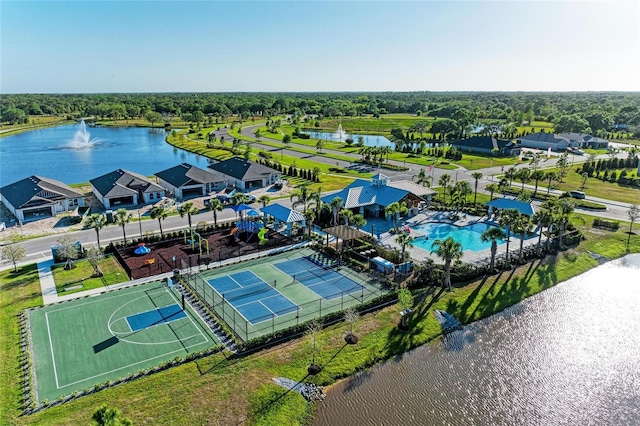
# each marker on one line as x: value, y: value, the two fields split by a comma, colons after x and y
x: 341, y: 136
x: 76, y: 154
x: 566, y: 356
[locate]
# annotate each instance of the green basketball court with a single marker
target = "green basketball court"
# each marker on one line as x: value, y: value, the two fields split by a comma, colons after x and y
x: 89, y: 341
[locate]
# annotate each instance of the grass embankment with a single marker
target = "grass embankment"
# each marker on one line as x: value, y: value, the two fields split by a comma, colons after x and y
x: 330, y: 180
x: 224, y: 390
x: 35, y: 122
x: 82, y: 276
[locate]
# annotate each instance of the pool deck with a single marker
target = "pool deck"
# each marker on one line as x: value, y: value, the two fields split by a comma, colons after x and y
x: 382, y: 227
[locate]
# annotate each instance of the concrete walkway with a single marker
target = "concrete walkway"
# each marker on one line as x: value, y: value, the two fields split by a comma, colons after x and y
x: 50, y: 295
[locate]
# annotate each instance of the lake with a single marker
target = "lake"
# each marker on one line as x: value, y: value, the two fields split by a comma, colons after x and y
x: 566, y: 356
x: 63, y: 154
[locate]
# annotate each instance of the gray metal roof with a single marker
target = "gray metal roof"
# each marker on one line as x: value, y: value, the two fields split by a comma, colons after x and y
x: 120, y: 183
x: 242, y: 169
x: 36, y: 190
x: 187, y: 174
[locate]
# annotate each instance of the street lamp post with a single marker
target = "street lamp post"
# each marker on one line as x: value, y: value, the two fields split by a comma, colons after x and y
x: 139, y: 223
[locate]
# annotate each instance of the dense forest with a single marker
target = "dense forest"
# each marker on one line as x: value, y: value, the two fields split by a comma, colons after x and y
x: 590, y: 112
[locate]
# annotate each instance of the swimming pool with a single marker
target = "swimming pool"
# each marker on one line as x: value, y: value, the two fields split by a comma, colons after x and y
x: 468, y: 236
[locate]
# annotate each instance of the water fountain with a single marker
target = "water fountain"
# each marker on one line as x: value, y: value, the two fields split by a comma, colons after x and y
x: 82, y: 138
x: 340, y: 134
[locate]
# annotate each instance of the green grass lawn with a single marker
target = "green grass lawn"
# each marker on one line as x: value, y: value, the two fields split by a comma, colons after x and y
x: 597, y: 188
x: 82, y: 275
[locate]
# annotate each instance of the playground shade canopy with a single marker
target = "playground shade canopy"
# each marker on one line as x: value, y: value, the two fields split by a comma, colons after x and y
x: 508, y: 203
x: 283, y: 214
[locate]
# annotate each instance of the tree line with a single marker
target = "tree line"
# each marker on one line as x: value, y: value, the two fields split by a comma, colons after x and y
x: 592, y: 112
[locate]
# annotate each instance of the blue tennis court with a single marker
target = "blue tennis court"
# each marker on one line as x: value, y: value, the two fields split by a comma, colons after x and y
x: 155, y: 317
x: 256, y: 300
x: 322, y: 279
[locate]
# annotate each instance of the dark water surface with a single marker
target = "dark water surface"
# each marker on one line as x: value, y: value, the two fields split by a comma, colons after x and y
x: 60, y: 153
x: 567, y: 356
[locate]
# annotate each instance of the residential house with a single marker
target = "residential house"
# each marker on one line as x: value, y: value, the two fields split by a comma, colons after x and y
x: 488, y: 145
x: 543, y: 141
x: 37, y: 197
x: 245, y: 174
x: 185, y: 180
x: 585, y: 140
x: 123, y: 188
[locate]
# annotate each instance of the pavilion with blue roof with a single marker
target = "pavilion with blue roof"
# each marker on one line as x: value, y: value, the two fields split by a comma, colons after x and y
x: 282, y: 214
x: 510, y: 203
x: 371, y: 198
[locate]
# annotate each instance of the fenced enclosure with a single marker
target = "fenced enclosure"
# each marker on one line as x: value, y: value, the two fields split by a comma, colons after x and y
x: 310, y: 305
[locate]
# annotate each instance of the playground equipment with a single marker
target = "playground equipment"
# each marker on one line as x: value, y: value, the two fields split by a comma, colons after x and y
x: 142, y: 249
x: 193, y: 237
x: 262, y: 236
x: 249, y: 227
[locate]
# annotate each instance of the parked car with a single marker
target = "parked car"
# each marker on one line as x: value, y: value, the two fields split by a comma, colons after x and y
x: 578, y: 195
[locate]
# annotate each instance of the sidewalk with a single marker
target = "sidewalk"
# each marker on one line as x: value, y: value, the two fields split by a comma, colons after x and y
x: 50, y: 295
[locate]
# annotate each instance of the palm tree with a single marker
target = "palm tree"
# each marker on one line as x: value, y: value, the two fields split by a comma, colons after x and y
x: 422, y: 178
x: 508, y: 220
x: 187, y: 209
x: 335, y: 204
x: 460, y: 192
x: 493, y: 234
x: 523, y: 175
x: 585, y: 178
x: 346, y: 214
x: 544, y: 218
x: 564, y: 209
x: 215, y: 206
x: 160, y: 213
x: 537, y: 176
x: 264, y: 200
x: 444, y: 181
x: 492, y: 187
x: 97, y: 222
x: 510, y: 174
x: 395, y: 210
x: 550, y: 176
x: 358, y: 220
x: 122, y: 217
x: 320, y: 145
x: 309, y: 217
x: 316, y: 199
x: 302, y: 197
x: 477, y: 176
x: 447, y: 250
x: 405, y: 240
x: 522, y: 226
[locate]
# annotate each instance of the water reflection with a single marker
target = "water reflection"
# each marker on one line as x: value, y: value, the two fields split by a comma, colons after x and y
x: 567, y: 356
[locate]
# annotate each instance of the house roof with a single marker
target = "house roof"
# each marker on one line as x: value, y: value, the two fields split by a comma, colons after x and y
x: 484, y: 142
x: 282, y: 213
x: 242, y: 169
x: 582, y: 137
x: 187, y: 174
x: 509, y: 203
x: 122, y: 183
x: 549, y: 138
x: 37, y: 190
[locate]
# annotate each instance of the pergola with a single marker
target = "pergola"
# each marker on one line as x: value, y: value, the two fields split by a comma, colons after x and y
x: 344, y: 233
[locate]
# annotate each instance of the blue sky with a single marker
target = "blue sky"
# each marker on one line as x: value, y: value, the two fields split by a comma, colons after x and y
x: 215, y: 46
